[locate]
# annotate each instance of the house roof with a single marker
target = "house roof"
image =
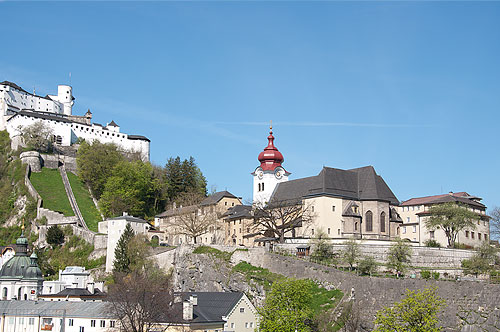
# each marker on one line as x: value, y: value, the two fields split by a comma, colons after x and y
x: 212, y: 306
x: 139, y: 138
x: 460, y: 197
x: 129, y: 218
x: 42, y: 115
x: 357, y: 183
x: 238, y: 211
x: 15, y: 86
x: 76, y: 292
x: 71, y: 309
x: 112, y: 124
x: 216, y: 197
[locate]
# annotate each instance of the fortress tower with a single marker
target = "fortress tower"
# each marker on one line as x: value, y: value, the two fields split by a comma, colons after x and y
x: 269, y: 173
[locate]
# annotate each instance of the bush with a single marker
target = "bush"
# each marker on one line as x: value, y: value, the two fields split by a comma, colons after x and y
x: 367, y: 265
x: 432, y: 243
x: 435, y: 275
x: 425, y: 274
x: 55, y: 236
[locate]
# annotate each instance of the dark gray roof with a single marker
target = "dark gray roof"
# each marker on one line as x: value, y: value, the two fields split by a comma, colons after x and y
x: 238, y: 211
x: 113, y: 124
x: 358, y: 184
x: 15, y: 86
x: 76, y: 292
x: 129, y: 218
x: 43, y: 115
x: 139, y: 138
x: 71, y: 309
x: 212, y: 305
x: 215, y: 197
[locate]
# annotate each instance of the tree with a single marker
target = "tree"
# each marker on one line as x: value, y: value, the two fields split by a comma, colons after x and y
x: 122, y: 262
x: 192, y: 218
x: 95, y: 163
x: 130, y: 189
x: 495, y: 223
x: 367, y: 265
x: 322, y: 248
x: 287, y: 307
x: 142, y: 299
x: 351, y: 252
x: 279, y: 218
x: 55, y: 236
x: 483, y: 260
x: 398, y: 256
x: 451, y: 218
x: 417, y: 312
x: 183, y: 176
x: 37, y: 137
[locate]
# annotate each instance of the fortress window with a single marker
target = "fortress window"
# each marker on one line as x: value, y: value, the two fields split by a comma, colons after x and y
x: 333, y: 208
x: 328, y: 231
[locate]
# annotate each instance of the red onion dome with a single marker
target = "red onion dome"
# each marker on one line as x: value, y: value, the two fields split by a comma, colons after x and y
x: 270, y: 158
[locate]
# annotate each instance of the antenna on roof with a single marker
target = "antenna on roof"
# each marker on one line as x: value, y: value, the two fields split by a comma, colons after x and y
x: 34, y: 90
x: 69, y: 78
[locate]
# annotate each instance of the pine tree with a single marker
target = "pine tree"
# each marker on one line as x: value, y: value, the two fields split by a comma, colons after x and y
x: 122, y: 256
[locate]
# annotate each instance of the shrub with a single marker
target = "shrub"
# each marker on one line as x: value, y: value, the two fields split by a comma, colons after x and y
x: 432, y: 243
x: 55, y: 236
x: 435, y: 275
x: 367, y: 265
x: 425, y: 274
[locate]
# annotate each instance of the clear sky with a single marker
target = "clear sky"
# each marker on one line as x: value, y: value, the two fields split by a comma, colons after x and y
x: 412, y: 88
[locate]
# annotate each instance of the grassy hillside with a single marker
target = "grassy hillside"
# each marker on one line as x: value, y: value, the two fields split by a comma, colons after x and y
x: 50, y: 186
x: 85, y: 202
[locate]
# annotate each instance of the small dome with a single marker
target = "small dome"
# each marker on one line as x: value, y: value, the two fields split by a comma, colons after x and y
x: 21, y: 266
x: 270, y: 158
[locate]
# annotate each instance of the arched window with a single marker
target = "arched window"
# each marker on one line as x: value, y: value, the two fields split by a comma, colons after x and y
x: 5, y: 293
x: 19, y: 293
x: 369, y: 221
x: 262, y: 186
x: 382, y: 222
x: 356, y: 226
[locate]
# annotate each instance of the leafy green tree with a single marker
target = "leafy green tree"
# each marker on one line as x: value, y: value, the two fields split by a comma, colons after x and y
x: 55, y: 236
x: 129, y: 189
x: 451, y: 218
x: 287, y: 307
x: 483, y: 260
x: 367, y: 265
x: 399, y: 256
x: 123, y: 259
x: 322, y: 248
x: 351, y: 253
x: 417, y: 312
x: 183, y: 176
x: 96, y: 162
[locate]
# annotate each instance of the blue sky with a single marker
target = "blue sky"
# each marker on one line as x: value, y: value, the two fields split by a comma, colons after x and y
x: 412, y: 88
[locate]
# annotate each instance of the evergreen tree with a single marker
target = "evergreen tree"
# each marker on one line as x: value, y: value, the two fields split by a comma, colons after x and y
x: 183, y: 176
x: 55, y: 236
x: 122, y: 260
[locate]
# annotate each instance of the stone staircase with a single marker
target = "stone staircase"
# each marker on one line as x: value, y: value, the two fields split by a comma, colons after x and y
x: 71, y: 198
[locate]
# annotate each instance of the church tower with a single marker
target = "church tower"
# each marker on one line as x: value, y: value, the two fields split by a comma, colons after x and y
x: 269, y: 173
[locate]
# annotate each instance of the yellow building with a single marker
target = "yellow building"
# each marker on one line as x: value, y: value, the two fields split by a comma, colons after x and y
x: 415, y: 211
x: 209, y: 212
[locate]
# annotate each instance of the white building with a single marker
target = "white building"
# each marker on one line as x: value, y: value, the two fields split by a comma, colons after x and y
x: 20, y: 109
x: 74, y: 284
x: 32, y: 316
x: 114, y: 229
x: 269, y: 173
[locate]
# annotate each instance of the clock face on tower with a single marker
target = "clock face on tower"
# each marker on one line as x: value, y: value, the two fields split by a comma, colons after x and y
x: 278, y: 173
x: 260, y: 174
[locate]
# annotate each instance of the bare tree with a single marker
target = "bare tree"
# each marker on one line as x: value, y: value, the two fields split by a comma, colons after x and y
x: 142, y: 300
x: 193, y: 218
x: 495, y: 223
x: 37, y: 136
x: 278, y: 218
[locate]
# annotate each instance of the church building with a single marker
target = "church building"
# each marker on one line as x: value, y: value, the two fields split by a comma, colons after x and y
x: 342, y: 203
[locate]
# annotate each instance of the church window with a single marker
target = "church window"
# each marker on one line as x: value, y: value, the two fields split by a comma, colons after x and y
x: 259, y: 186
x: 382, y: 222
x: 103, y: 323
x: 111, y: 323
x: 328, y: 231
x: 92, y: 323
x: 312, y: 231
x: 333, y: 208
x: 355, y: 226
x: 369, y: 221
x: 338, y: 231
x: 31, y: 321
x: 4, y: 295
x: 70, y: 322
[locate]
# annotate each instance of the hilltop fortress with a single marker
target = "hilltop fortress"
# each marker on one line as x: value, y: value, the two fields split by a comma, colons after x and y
x: 19, y: 108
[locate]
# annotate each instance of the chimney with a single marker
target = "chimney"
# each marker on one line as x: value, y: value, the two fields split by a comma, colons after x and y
x: 194, y: 299
x: 90, y: 287
x: 187, y: 310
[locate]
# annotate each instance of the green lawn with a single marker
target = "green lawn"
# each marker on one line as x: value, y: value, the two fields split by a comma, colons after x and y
x: 85, y: 202
x: 49, y: 185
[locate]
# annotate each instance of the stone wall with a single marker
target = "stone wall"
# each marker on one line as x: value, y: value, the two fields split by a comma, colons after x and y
x: 373, y: 293
x: 431, y: 258
x: 99, y: 241
x: 53, y: 161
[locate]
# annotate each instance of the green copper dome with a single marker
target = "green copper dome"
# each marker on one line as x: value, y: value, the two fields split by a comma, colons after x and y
x: 21, y: 266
